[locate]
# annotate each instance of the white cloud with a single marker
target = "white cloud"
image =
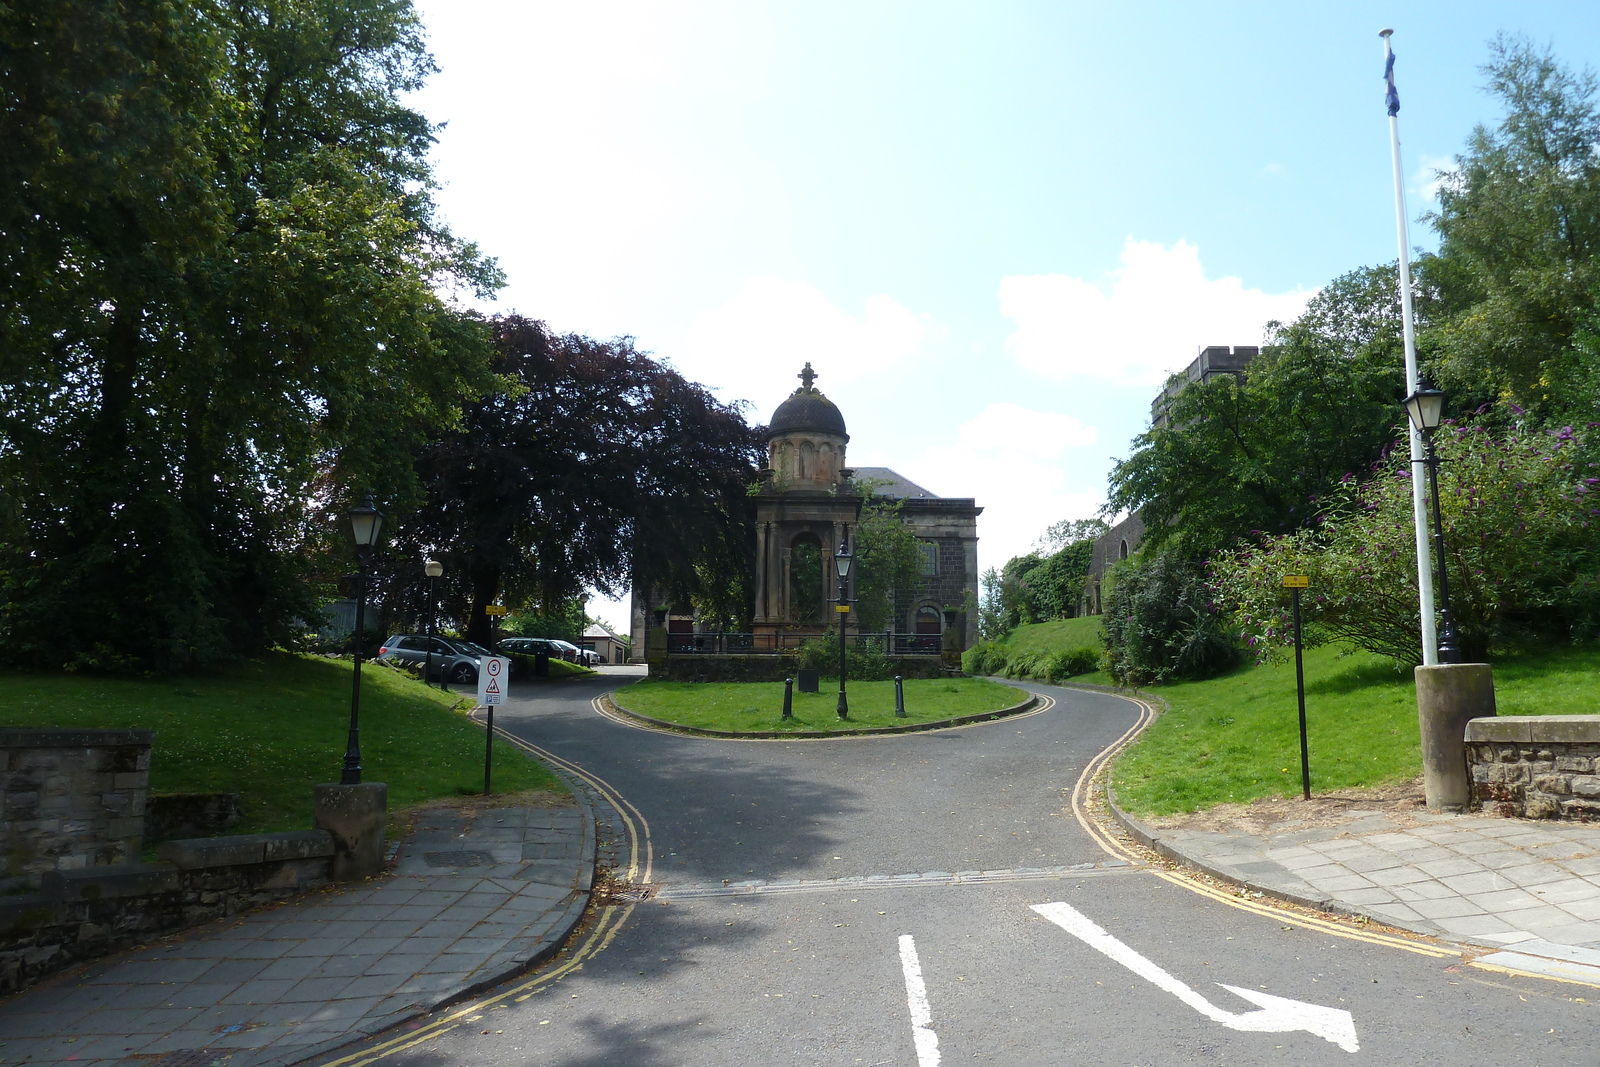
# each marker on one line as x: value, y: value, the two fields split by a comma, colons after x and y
x: 1430, y: 174
x: 1012, y: 459
x: 1275, y: 170
x: 751, y: 347
x: 1147, y: 319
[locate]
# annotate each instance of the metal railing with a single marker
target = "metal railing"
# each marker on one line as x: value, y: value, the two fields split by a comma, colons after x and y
x: 886, y: 642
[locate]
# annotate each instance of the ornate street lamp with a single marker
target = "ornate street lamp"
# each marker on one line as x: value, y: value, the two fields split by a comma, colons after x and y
x: 841, y: 564
x: 1425, y: 409
x: 365, y: 522
x: 432, y: 568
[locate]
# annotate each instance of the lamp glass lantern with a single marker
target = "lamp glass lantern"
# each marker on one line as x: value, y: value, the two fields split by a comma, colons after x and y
x: 1425, y: 407
x: 842, y: 561
x: 433, y: 568
x: 365, y: 522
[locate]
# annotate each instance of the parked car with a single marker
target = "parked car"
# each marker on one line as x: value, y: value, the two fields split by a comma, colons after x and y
x: 454, y: 661
x: 590, y: 658
x: 569, y: 651
x: 529, y: 646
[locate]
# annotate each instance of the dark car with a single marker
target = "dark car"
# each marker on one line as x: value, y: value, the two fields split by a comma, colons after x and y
x: 454, y: 661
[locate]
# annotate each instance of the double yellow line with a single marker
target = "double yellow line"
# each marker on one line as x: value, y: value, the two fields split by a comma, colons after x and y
x: 641, y: 862
x: 1082, y: 793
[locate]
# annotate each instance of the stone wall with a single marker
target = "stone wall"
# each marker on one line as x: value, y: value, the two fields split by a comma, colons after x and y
x: 79, y: 914
x: 70, y: 799
x: 1536, y: 766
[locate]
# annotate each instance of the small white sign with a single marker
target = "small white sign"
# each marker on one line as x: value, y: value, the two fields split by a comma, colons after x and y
x: 492, y: 678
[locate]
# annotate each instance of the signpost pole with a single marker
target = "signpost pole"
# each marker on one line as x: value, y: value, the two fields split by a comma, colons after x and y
x: 1300, y: 693
x: 488, y: 751
x: 493, y: 674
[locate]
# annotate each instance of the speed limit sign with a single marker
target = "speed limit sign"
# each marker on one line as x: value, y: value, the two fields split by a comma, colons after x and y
x: 492, y: 678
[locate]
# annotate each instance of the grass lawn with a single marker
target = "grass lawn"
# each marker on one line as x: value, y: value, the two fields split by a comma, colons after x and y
x: 1057, y: 636
x: 273, y: 728
x: 1236, y: 738
x: 759, y: 705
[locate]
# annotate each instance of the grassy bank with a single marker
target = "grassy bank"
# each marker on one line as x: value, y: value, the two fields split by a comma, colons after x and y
x: 753, y: 706
x: 275, y: 727
x: 1033, y: 651
x: 1236, y: 738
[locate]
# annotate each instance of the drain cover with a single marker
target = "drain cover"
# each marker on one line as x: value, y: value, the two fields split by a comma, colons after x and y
x: 462, y: 858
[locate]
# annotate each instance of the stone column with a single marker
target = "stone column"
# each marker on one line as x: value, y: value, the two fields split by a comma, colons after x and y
x: 762, y: 532
x: 1448, y: 695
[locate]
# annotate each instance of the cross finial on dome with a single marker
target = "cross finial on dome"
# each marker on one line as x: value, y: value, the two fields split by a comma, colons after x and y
x: 806, y: 377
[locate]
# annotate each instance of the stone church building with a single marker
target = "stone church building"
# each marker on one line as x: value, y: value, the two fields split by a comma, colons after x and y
x: 807, y: 506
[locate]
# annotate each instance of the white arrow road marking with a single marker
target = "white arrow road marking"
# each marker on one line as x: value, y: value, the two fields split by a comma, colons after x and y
x: 922, y: 1035
x: 1276, y: 1015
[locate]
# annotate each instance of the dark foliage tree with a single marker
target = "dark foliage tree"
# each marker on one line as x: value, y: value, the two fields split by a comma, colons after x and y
x: 889, y: 562
x: 219, y: 271
x: 592, y: 465
x: 1162, y: 623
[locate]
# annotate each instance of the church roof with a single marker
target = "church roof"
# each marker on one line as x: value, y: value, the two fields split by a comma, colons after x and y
x: 896, y: 485
x: 807, y: 409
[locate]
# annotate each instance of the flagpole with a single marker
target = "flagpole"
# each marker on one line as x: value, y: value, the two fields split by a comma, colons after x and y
x: 1419, y: 500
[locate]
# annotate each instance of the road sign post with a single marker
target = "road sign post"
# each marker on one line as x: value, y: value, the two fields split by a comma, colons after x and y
x: 492, y: 678
x: 1294, y: 583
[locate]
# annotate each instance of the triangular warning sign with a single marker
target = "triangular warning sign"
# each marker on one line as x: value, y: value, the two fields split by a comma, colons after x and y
x: 493, y: 688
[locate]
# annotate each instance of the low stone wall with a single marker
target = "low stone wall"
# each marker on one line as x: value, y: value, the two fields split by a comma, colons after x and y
x: 170, y: 815
x: 70, y: 799
x: 690, y: 667
x: 79, y: 914
x: 1536, y: 766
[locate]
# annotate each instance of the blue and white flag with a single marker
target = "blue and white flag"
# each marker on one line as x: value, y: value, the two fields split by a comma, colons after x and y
x: 1392, y: 95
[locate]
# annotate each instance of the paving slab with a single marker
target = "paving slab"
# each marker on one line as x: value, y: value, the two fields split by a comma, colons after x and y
x: 1475, y: 878
x: 296, y: 979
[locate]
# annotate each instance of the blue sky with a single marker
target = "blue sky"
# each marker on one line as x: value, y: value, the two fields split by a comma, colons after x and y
x: 992, y: 228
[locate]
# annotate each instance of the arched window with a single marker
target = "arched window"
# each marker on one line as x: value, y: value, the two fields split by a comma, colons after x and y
x: 1123, y: 551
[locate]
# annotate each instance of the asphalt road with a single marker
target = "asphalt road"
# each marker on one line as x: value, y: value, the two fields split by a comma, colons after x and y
x: 1126, y: 967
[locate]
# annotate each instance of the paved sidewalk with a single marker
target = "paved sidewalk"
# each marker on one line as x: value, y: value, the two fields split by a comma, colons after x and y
x: 1528, y: 888
x: 476, y: 897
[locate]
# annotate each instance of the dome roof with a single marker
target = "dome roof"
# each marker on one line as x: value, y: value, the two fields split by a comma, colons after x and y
x: 807, y: 409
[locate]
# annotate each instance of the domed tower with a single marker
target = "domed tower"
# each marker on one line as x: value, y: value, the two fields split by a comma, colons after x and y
x: 805, y: 510
x: 806, y: 439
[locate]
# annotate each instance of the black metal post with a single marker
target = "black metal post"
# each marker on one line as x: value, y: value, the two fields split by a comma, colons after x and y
x: 427, y: 670
x: 1449, y: 650
x: 488, y: 751
x: 352, y: 748
x: 788, y: 698
x: 844, y: 704
x: 1300, y: 692
x: 899, y: 698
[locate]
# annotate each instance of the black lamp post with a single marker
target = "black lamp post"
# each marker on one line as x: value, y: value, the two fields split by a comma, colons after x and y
x: 365, y: 521
x: 841, y: 564
x: 432, y: 568
x: 1425, y: 408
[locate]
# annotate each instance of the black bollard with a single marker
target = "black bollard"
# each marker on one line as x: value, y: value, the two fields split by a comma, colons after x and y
x: 788, y: 698
x: 899, y: 698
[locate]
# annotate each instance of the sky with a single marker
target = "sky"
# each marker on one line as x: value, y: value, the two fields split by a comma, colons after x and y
x: 992, y: 228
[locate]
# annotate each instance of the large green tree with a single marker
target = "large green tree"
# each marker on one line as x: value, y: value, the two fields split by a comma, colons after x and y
x: 220, y: 269
x: 1244, y: 458
x: 1519, y: 226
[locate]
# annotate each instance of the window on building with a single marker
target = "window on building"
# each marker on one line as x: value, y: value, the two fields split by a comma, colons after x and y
x: 930, y: 559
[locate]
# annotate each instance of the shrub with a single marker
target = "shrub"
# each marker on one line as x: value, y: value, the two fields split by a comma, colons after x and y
x: 1070, y: 662
x: 1522, y: 546
x: 984, y: 658
x: 1161, y: 623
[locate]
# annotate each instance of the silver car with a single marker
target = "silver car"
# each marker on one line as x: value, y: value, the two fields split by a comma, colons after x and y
x: 453, y: 661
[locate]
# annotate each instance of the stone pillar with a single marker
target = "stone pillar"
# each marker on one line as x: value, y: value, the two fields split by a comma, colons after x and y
x: 355, y: 815
x: 762, y: 533
x: 1448, y: 695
